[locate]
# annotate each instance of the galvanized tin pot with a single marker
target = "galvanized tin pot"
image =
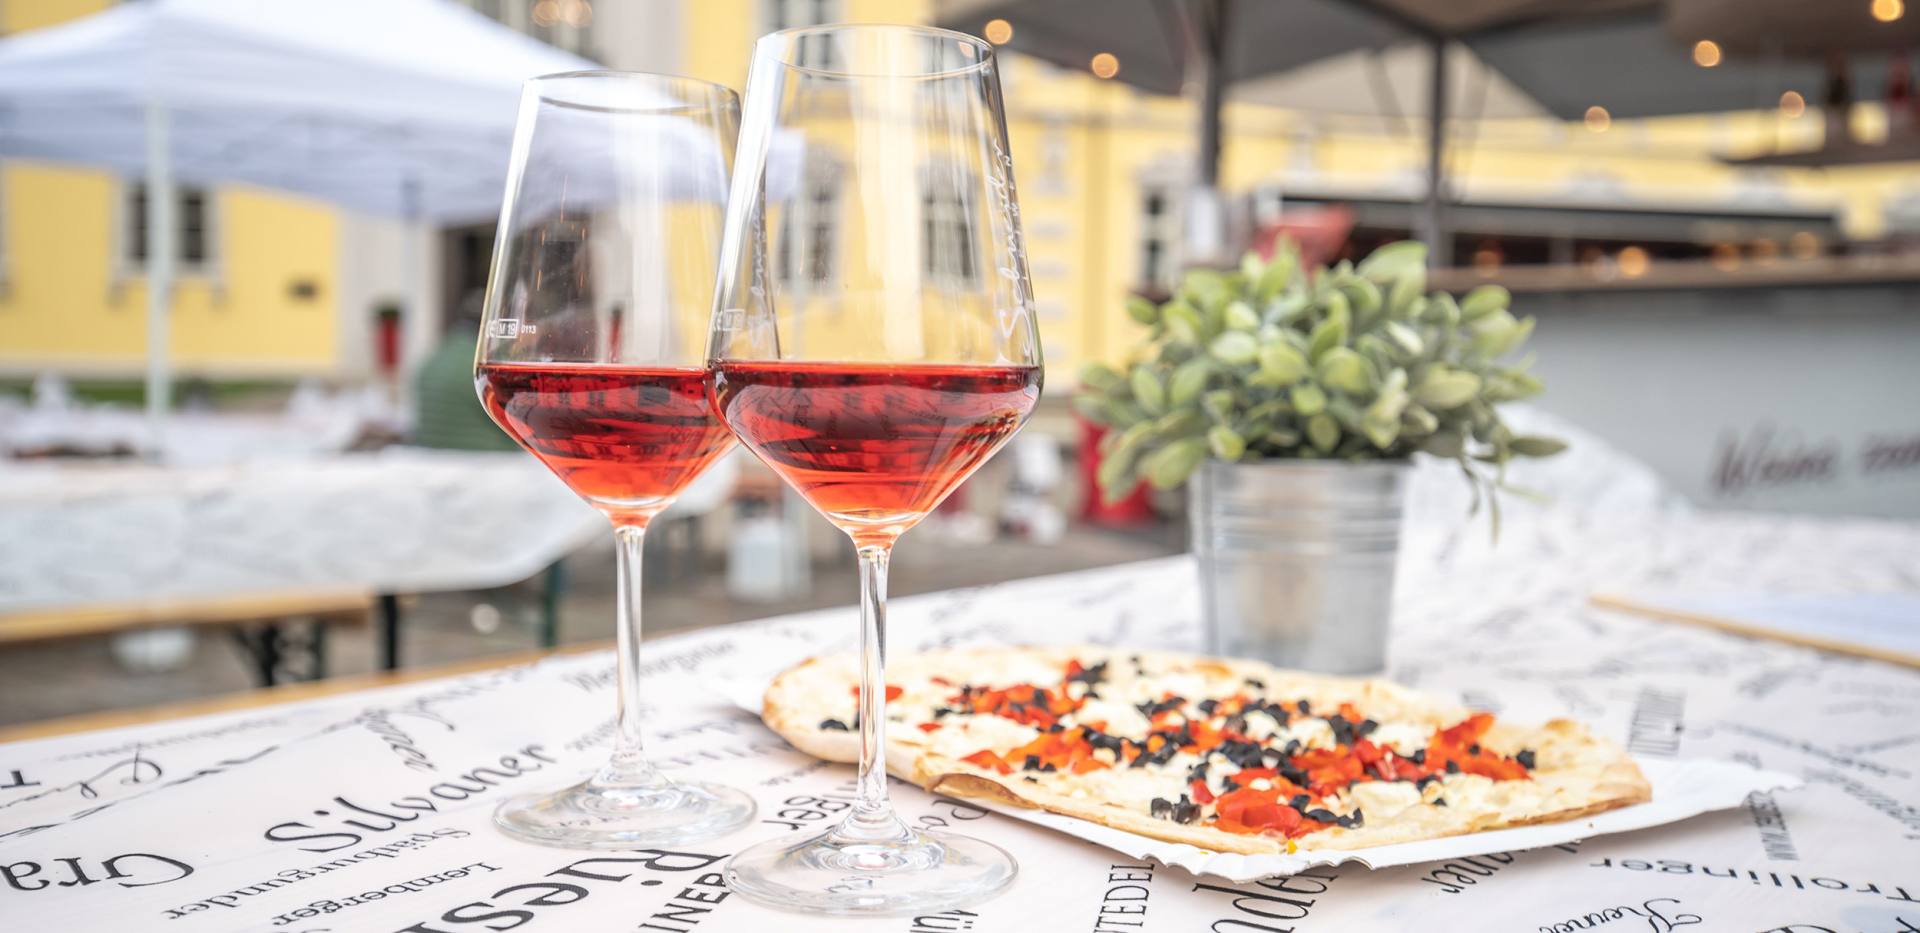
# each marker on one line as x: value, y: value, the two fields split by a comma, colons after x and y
x: 1296, y: 560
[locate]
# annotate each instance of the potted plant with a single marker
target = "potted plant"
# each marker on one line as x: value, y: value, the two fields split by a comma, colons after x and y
x: 1296, y: 401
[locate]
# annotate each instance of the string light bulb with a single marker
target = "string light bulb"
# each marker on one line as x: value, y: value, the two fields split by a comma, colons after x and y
x: 999, y: 31
x: 1792, y: 105
x: 1887, y: 11
x: 1633, y: 262
x: 1706, y: 53
x: 1598, y: 119
x: 1104, y: 65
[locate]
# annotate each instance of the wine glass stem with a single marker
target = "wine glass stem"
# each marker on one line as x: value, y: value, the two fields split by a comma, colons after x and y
x: 629, y: 766
x: 873, y: 816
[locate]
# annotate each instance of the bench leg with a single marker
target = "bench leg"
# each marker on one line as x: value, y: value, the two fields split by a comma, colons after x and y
x: 556, y: 585
x: 262, y: 647
x: 389, y: 632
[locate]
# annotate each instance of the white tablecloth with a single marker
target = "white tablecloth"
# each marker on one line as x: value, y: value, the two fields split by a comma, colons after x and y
x: 399, y: 521
x: 369, y: 812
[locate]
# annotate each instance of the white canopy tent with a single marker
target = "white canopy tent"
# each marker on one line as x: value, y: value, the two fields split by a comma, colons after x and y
x: 402, y: 108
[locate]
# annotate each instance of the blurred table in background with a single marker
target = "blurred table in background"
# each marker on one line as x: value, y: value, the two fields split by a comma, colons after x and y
x: 78, y: 534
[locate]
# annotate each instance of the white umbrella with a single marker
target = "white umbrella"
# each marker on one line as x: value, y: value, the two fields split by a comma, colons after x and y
x: 396, y: 107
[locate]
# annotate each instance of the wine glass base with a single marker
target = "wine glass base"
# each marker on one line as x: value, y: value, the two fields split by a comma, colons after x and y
x: 829, y: 873
x: 592, y: 815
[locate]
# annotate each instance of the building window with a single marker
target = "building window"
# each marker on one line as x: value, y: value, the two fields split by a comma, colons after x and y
x: 815, y: 51
x: 565, y: 24
x: 193, y: 223
x: 947, y: 247
x: 805, y: 253
x: 1159, y: 235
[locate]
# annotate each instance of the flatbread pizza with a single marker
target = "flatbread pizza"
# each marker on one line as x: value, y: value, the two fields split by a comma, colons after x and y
x: 1227, y: 755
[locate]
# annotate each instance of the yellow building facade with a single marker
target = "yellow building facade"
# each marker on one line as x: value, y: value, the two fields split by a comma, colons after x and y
x: 257, y: 301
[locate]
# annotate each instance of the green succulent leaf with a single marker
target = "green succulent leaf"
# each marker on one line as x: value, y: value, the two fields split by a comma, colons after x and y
x: 1327, y: 334
x: 1394, y: 260
x: 1308, y: 399
x: 1344, y: 370
x: 1406, y: 291
x: 1234, y: 348
x: 1189, y: 380
x: 1148, y: 391
x: 1282, y: 364
x: 1182, y: 321
x: 1363, y: 296
x: 1534, y: 446
x: 1323, y: 432
x: 1101, y: 378
x: 1419, y: 421
x: 1444, y: 388
x: 1170, y: 466
x: 1405, y: 338
x: 1485, y: 300
x: 1218, y: 404
x: 1275, y: 277
x: 1241, y: 316
x: 1225, y: 443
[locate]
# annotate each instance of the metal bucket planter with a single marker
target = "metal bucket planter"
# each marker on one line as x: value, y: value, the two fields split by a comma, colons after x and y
x: 1296, y: 560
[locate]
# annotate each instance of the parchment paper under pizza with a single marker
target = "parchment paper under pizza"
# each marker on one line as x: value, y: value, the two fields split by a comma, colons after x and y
x: 1226, y: 755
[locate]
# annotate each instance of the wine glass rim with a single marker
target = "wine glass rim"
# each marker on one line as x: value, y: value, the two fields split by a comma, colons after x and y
x: 930, y: 32
x: 536, y: 85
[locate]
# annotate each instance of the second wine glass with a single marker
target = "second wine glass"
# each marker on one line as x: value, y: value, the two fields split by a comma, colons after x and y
x: 873, y: 343
x: 591, y: 356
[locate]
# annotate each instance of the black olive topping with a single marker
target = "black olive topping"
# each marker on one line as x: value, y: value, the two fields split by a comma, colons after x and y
x: 1208, y: 706
x: 1525, y: 758
x: 1197, y: 773
x: 1419, y: 757
x: 1439, y: 801
x: 1365, y: 728
x: 1453, y: 767
x: 1305, y: 708
x: 1322, y: 815
x: 1300, y: 802
x: 1091, y: 675
x: 1031, y: 764
x: 1473, y: 749
x: 1151, y: 709
x: 833, y: 725
x: 1186, y: 811
x: 1160, y: 807
x: 1256, y: 683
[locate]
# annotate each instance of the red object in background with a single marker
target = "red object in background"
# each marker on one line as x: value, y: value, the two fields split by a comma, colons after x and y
x: 1135, y: 509
x: 871, y: 445
x: 1321, y: 232
x: 627, y: 438
x: 387, y: 342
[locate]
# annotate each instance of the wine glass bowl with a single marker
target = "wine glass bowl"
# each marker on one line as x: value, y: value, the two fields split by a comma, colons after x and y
x: 873, y: 343
x: 592, y: 357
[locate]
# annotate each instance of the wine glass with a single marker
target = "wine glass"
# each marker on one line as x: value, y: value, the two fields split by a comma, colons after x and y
x: 591, y: 356
x: 873, y: 343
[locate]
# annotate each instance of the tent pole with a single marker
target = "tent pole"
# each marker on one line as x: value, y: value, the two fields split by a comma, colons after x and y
x: 1432, y: 222
x: 412, y: 319
x: 160, y: 233
x: 1206, y: 220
